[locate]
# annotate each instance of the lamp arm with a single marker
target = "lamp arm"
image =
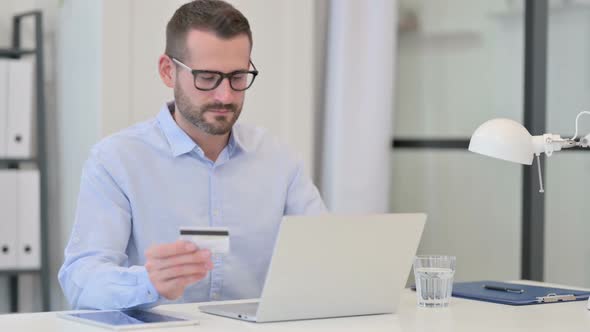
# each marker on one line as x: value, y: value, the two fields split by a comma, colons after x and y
x: 548, y: 143
x: 563, y: 143
x: 577, y: 118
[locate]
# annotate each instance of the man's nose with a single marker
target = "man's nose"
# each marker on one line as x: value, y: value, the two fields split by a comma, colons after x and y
x: 224, y: 92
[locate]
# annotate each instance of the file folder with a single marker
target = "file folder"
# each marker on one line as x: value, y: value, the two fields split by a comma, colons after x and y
x: 3, y: 106
x: 29, y: 232
x: 19, y: 139
x: 8, y: 219
x: 525, y: 295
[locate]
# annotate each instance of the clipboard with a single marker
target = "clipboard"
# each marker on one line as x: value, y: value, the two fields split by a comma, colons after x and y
x: 525, y: 295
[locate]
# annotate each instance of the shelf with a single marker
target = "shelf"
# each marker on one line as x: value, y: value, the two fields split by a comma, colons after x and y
x: 18, y: 272
x: 15, y: 53
x: 17, y: 160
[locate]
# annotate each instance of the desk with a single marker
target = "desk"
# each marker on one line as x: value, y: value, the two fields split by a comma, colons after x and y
x: 462, y: 315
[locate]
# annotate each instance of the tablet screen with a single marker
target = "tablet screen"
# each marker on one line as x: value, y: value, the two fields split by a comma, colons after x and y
x: 126, y: 317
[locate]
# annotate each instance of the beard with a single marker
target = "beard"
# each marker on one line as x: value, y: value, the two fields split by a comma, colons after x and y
x: 195, y: 114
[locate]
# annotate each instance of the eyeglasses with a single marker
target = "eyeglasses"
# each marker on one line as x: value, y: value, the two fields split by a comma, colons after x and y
x: 207, y: 80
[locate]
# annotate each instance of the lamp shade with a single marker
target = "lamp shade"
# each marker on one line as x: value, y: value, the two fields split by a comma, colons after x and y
x: 503, y: 139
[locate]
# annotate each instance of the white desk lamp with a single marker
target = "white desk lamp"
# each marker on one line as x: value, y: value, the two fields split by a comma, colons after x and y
x: 508, y: 140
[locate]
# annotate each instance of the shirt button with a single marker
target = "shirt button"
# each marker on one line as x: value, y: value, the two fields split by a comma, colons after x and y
x: 215, y: 296
x: 216, y: 213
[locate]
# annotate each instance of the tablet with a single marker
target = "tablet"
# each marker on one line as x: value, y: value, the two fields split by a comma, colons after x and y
x: 129, y: 319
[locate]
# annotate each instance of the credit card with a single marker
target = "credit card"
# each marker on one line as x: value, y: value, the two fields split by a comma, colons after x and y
x: 215, y: 239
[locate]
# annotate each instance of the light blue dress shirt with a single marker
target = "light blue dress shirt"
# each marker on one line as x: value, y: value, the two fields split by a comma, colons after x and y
x: 140, y: 185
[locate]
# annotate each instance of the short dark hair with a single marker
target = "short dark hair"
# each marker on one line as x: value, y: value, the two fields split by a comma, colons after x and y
x: 215, y: 16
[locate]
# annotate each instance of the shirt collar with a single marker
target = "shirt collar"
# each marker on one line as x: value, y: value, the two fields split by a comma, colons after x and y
x: 181, y: 143
x: 236, y: 144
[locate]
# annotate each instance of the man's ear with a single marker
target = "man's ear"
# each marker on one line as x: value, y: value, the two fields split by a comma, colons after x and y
x: 167, y: 70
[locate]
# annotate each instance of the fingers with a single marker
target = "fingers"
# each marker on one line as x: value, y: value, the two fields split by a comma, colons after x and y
x: 186, y: 280
x: 179, y: 266
x: 170, y: 249
x: 172, y: 289
x: 173, y: 266
x: 188, y: 270
x: 198, y: 257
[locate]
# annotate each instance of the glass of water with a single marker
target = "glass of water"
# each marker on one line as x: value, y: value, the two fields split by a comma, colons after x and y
x: 434, y: 280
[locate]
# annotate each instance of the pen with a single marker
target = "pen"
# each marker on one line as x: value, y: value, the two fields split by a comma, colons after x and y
x: 504, y: 289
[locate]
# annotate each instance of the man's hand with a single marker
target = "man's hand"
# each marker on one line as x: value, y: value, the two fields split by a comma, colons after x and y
x: 173, y: 266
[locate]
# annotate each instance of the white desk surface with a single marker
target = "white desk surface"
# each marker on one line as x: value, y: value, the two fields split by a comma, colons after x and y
x: 461, y: 315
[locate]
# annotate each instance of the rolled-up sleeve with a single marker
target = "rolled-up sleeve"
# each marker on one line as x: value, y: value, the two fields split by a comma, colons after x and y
x: 95, y: 273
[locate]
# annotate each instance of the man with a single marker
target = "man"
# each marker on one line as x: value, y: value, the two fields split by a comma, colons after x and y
x: 190, y: 166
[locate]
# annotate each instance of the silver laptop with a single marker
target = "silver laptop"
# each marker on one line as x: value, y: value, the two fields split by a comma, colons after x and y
x: 334, y: 266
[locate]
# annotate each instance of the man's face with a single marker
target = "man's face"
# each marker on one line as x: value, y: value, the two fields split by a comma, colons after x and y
x: 214, y: 112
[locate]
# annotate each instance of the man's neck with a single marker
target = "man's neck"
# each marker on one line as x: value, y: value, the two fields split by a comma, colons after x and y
x: 212, y: 145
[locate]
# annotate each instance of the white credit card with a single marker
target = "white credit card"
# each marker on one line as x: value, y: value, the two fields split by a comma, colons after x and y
x: 215, y: 239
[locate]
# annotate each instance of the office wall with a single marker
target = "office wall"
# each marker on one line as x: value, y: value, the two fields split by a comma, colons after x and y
x: 79, y: 120
x: 460, y: 65
x: 566, y: 173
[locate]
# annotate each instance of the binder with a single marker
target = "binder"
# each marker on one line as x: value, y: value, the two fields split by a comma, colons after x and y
x: 3, y: 105
x: 518, y: 294
x: 28, y: 229
x: 8, y: 219
x: 19, y: 140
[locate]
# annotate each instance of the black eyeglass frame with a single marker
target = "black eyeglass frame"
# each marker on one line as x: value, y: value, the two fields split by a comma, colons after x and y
x: 221, y: 75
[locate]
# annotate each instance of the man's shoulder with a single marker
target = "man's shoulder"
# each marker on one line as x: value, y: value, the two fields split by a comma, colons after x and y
x: 249, y: 136
x: 257, y: 139
x: 260, y: 141
x: 144, y: 134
